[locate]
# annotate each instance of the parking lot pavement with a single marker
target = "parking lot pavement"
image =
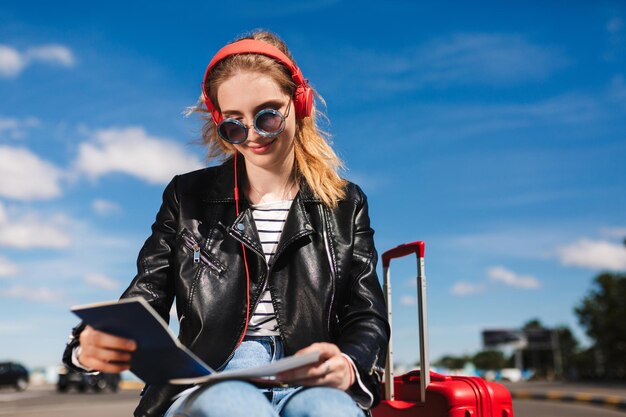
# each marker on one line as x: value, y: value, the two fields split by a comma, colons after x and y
x: 45, y: 401
x: 599, y: 394
x: 9, y: 394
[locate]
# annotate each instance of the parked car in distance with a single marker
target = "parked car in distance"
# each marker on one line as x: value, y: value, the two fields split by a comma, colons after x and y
x: 97, y: 382
x: 13, y: 374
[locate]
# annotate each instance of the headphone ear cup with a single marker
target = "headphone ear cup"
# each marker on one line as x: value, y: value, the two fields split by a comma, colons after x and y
x: 303, y: 101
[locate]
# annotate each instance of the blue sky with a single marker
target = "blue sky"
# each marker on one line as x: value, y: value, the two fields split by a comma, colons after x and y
x: 495, y: 132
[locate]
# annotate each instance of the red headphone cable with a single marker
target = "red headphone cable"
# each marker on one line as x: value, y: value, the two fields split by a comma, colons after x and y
x: 245, y: 260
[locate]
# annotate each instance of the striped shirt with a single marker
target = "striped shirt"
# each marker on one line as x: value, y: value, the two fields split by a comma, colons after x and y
x: 270, y: 220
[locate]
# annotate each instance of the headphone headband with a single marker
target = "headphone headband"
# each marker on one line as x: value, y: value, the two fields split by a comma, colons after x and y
x: 303, y: 97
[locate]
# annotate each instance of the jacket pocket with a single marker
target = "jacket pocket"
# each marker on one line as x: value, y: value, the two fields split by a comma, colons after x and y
x: 200, y: 257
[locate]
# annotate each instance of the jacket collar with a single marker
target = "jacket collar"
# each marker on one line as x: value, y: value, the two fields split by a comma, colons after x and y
x: 297, y: 224
x: 221, y: 186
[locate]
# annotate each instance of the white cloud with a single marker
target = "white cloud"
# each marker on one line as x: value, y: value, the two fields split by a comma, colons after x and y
x: 11, y: 128
x: 132, y: 151
x: 29, y: 231
x: 408, y: 300
x: 97, y: 251
x: 369, y: 181
x: 101, y: 281
x: 55, y: 54
x: 466, y: 288
x: 615, y: 40
x: 614, y: 232
x: 10, y: 327
x: 478, y: 120
x: 7, y: 268
x: 41, y: 294
x: 105, y: 207
x: 594, y: 254
x: 13, y: 62
x: 505, y: 276
x: 254, y: 9
x: 487, y: 58
x: 615, y: 25
x: 617, y: 89
x: 459, y: 59
x: 520, y: 241
x: 25, y: 176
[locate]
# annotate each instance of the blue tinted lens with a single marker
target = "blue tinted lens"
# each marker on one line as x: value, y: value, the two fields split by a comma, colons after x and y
x: 233, y: 131
x: 269, y: 122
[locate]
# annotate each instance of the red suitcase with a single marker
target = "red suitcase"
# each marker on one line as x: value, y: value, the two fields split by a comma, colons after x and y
x: 435, y: 395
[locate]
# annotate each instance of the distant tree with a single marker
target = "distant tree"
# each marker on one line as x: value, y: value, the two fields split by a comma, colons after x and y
x: 583, y: 365
x: 603, y: 315
x: 558, y: 359
x: 453, y: 362
x: 489, y: 359
x: 533, y: 324
x: 569, y: 350
x: 541, y: 361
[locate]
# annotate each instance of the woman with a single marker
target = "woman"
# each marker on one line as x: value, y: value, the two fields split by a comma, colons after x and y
x: 267, y: 255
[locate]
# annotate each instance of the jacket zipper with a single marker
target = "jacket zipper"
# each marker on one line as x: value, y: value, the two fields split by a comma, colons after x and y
x: 333, y: 273
x: 239, y: 337
x: 198, y: 253
x: 253, y: 307
x: 269, y: 270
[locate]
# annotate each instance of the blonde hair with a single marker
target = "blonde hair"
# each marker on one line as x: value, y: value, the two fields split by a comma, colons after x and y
x: 315, y: 160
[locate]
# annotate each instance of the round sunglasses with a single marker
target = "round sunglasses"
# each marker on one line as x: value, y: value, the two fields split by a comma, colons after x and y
x: 268, y: 123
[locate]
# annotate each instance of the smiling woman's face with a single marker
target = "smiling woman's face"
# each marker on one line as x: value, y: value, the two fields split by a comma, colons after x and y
x: 241, y: 97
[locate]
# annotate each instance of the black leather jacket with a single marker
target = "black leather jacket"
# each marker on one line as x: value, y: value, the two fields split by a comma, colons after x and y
x: 323, y: 280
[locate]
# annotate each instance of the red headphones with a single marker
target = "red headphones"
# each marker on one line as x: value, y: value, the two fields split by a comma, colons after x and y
x: 303, y: 97
x: 302, y: 101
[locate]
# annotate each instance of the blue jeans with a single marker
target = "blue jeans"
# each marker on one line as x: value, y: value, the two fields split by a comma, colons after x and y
x: 239, y: 398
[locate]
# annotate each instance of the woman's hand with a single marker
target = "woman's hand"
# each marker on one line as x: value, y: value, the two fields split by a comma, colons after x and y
x: 104, y: 352
x: 332, y: 370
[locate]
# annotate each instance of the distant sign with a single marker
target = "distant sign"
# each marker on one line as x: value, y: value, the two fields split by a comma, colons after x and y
x: 539, y: 339
x: 504, y: 337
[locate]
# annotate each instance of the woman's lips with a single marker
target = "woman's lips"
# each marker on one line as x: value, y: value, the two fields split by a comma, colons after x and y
x: 259, y: 150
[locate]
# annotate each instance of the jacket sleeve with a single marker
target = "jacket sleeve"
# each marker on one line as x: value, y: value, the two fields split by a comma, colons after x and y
x: 154, y: 281
x: 364, y: 329
x: 155, y: 278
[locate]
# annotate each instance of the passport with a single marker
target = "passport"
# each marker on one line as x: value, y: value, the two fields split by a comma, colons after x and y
x: 160, y: 357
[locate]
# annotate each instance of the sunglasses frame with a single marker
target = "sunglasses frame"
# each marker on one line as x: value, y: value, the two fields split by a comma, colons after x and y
x: 260, y: 131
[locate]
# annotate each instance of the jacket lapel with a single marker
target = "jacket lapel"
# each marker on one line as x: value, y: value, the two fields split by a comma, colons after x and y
x: 244, y: 230
x: 297, y: 225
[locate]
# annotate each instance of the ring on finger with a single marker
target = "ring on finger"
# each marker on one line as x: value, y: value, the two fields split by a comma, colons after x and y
x: 327, y: 369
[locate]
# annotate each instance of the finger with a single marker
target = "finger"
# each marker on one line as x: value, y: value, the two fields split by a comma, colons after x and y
x: 103, y: 354
x: 105, y: 360
x: 326, y: 379
x: 326, y: 350
x: 337, y: 374
x: 102, y: 366
x: 90, y: 336
x: 306, y: 372
x: 322, y: 373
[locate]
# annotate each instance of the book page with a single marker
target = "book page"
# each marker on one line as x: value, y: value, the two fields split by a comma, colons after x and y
x: 264, y: 371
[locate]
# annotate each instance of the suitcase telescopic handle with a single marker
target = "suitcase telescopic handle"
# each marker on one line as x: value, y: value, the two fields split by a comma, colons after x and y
x: 417, y: 248
x: 405, y: 249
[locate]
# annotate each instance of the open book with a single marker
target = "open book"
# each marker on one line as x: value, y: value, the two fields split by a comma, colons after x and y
x: 160, y: 357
